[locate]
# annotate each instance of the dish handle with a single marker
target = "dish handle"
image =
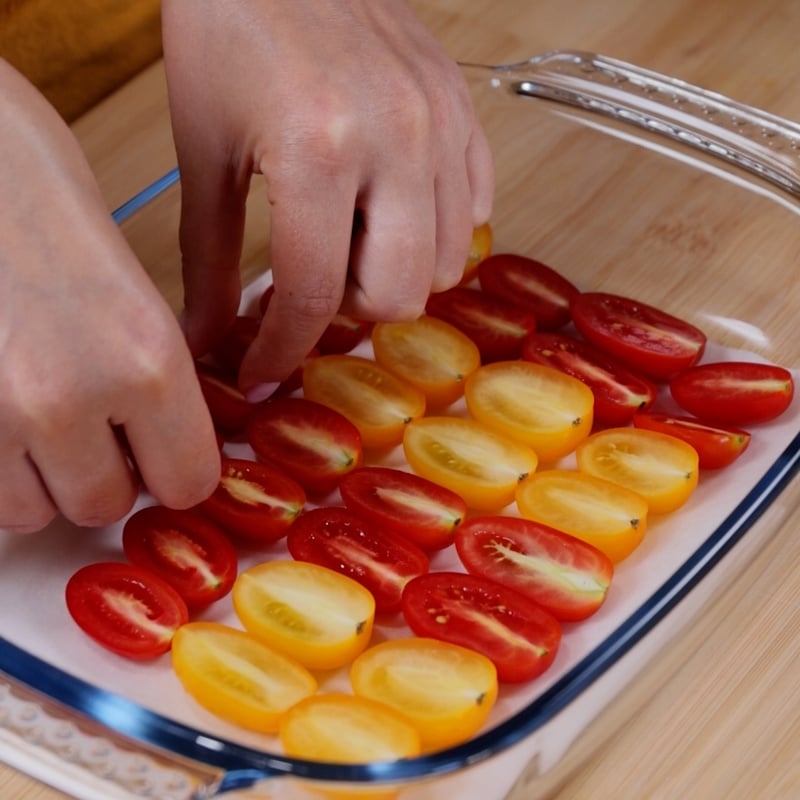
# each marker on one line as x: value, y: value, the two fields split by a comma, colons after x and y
x: 754, y: 140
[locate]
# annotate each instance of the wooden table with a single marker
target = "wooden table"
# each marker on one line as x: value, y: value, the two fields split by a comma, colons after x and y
x: 717, y: 716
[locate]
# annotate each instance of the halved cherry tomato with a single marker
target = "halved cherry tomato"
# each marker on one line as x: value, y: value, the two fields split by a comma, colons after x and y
x: 497, y: 328
x: 313, y: 614
x: 125, y: 608
x: 445, y: 690
x: 339, y: 539
x: 645, y: 338
x: 229, y: 408
x: 734, y: 392
x: 186, y: 549
x: 717, y: 447
x: 662, y: 469
x: 480, y: 247
x: 238, y: 677
x: 312, y: 443
x: 255, y: 501
x: 343, y: 728
x: 531, y: 284
x: 541, y: 406
x: 405, y: 504
x: 604, y: 514
x: 618, y: 391
x: 565, y: 575
x: 472, y: 460
x: 428, y: 353
x: 375, y: 400
x: 519, y: 636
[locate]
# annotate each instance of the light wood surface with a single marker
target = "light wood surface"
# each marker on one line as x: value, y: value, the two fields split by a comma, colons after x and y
x: 717, y: 715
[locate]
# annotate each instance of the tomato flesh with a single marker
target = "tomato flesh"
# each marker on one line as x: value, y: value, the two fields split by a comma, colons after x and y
x: 543, y: 407
x: 618, y: 391
x: 662, y: 469
x: 734, y: 392
x: 519, y: 636
x: 228, y: 407
x: 531, y: 284
x: 716, y: 447
x: 254, y: 501
x: 313, y: 444
x: 186, y: 549
x: 340, y: 540
x: 237, y: 677
x: 127, y: 609
x: 313, y: 614
x: 566, y: 576
x: 643, y: 337
x: 468, y: 458
x: 446, y: 691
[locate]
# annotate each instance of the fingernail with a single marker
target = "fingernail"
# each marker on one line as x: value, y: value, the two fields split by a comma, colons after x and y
x: 260, y: 392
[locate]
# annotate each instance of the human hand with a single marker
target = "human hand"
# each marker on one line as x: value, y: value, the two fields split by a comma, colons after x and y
x: 343, y: 106
x: 87, y: 344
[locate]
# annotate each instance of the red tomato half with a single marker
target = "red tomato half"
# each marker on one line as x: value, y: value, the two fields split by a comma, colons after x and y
x: 643, y: 337
x: 229, y: 408
x: 339, y: 539
x: 310, y: 442
x: 498, y: 328
x: 185, y: 549
x: 404, y: 503
x: 618, y: 391
x: 537, y: 287
x: 734, y: 392
x: 127, y: 609
x: 254, y: 501
x: 516, y: 634
x: 565, y: 575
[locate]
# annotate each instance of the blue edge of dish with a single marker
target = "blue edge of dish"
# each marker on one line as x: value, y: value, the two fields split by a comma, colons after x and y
x: 241, y: 766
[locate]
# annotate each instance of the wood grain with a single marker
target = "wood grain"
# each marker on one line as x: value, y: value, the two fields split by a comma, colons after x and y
x: 717, y: 715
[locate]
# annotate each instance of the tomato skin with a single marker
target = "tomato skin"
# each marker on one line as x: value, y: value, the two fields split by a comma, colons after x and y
x: 340, y: 540
x: 229, y: 408
x: 184, y: 548
x: 566, y: 576
x: 531, y: 284
x: 254, y: 501
x: 734, y: 392
x: 618, y: 391
x: 313, y: 444
x: 716, y: 447
x: 515, y: 633
x: 405, y: 504
x: 498, y: 328
x: 646, y: 339
x: 127, y: 609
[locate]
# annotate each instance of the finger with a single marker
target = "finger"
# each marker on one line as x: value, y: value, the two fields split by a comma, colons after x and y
x: 453, y: 226
x: 309, y: 249
x: 86, y: 473
x: 480, y: 171
x: 393, y: 260
x: 25, y: 505
x: 213, y: 198
x: 171, y: 436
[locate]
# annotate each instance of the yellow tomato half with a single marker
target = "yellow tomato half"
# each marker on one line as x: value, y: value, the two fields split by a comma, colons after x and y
x: 444, y: 690
x: 237, y: 677
x: 602, y: 513
x: 347, y: 729
x: 547, y: 409
x: 663, y: 469
x: 428, y: 353
x: 319, y: 617
x: 480, y: 248
x: 463, y: 455
x: 375, y: 400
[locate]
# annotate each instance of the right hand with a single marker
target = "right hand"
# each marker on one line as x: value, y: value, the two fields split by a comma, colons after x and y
x: 87, y: 344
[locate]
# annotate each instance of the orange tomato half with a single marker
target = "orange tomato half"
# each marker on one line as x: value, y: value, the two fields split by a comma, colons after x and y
x: 481, y: 246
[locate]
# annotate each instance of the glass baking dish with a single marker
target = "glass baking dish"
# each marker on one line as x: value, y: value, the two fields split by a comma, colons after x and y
x: 625, y: 182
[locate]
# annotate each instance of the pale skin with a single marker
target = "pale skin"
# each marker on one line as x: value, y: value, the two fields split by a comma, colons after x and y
x: 341, y: 106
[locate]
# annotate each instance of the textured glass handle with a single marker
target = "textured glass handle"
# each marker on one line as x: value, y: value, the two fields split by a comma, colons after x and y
x: 754, y: 140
